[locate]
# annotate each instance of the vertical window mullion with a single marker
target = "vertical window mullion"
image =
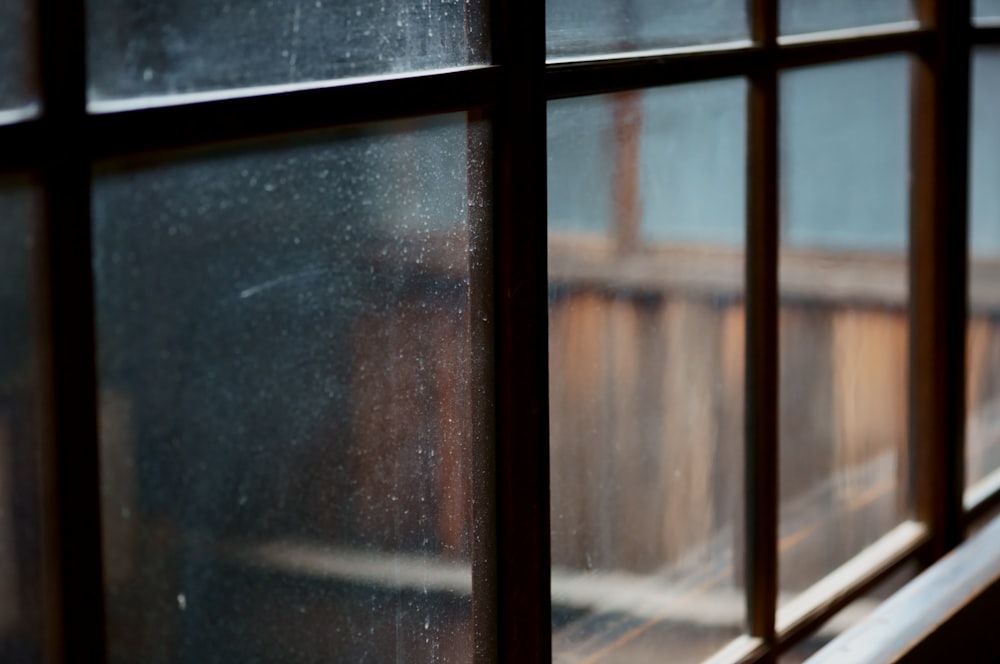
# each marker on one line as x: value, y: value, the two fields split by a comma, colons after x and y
x: 521, y: 557
x: 762, y: 328
x: 938, y: 271
x: 71, y: 358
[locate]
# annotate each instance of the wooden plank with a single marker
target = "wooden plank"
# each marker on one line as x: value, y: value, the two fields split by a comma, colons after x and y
x: 410, y: 448
x: 576, y: 383
x: 635, y: 498
x: 690, y: 398
x: 729, y: 476
x: 870, y: 373
x: 982, y: 398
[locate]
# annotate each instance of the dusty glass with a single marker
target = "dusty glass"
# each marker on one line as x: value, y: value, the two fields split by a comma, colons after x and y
x: 986, y: 8
x: 799, y: 16
x: 164, y: 47
x: 982, y: 446
x: 288, y: 397
x: 17, y: 55
x: 646, y: 346
x: 21, y: 538
x: 582, y: 28
x: 843, y: 313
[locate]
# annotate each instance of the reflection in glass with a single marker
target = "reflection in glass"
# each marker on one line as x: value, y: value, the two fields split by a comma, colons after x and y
x: 646, y: 209
x: 843, y: 318
x: 287, y: 397
x: 798, y: 16
x: 159, y: 47
x: 983, y: 342
x: 17, y: 54
x: 581, y: 28
x: 21, y: 557
x: 851, y: 615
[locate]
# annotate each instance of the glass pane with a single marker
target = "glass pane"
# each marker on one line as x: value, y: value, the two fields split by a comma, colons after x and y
x: 843, y: 317
x: 152, y: 47
x: 288, y: 398
x: 798, y: 16
x: 17, y: 54
x: 581, y: 28
x: 646, y: 209
x: 21, y: 558
x: 983, y: 341
x: 986, y: 8
x: 851, y: 615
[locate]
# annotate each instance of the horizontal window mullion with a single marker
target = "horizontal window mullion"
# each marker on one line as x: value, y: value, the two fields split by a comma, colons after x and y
x: 853, y: 44
x: 666, y: 67
x: 573, y: 79
x: 988, y: 34
x: 122, y: 128
x: 255, y: 116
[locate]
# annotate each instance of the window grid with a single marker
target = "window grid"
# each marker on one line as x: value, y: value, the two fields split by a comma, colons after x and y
x: 511, y: 573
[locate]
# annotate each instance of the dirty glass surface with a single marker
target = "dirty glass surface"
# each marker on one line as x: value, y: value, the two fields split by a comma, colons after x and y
x: 165, y: 47
x: 21, y: 550
x: 986, y: 8
x: 982, y: 446
x: 17, y: 55
x: 646, y: 346
x: 288, y: 399
x: 798, y: 16
x: 843, y: 313
x: 582, y: 28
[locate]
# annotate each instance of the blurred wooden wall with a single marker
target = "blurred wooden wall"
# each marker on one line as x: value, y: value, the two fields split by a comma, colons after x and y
x: 647, y: 400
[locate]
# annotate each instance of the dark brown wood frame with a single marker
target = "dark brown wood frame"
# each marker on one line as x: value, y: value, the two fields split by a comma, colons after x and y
x: 511, y: 576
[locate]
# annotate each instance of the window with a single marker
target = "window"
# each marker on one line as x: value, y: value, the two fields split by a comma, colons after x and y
x: 463, y: 331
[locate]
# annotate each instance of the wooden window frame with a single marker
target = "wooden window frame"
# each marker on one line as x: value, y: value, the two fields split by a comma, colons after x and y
x: 511, y: 577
